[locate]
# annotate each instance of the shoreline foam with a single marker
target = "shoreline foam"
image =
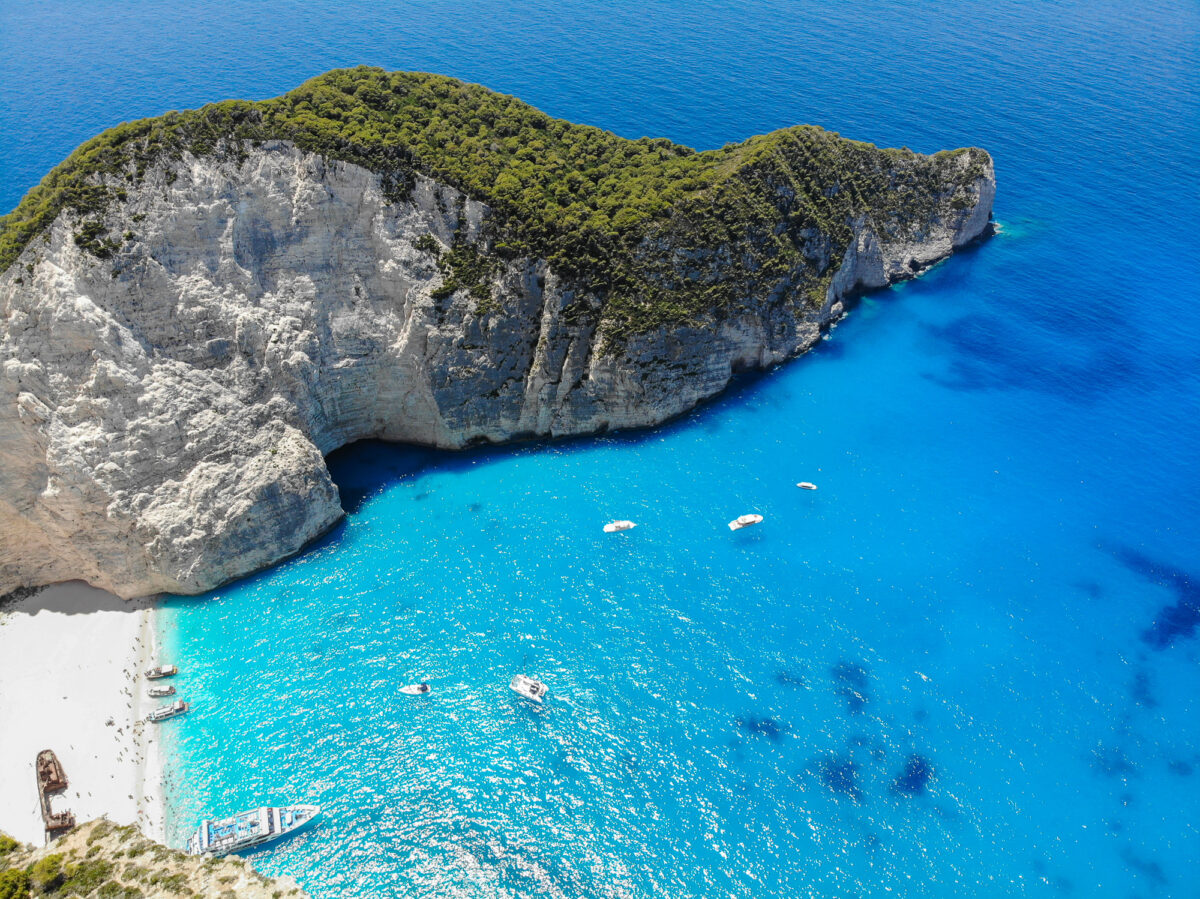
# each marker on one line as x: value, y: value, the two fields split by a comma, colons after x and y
x: 71, y: 658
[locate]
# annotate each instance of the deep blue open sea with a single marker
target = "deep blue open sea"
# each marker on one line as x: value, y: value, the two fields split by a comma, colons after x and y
x: 968, y: 665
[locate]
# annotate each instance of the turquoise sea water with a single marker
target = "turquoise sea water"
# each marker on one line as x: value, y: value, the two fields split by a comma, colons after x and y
x: 967, y: 665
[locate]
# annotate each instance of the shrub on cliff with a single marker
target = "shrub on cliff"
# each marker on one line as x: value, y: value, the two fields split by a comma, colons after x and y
x: 592, y: 203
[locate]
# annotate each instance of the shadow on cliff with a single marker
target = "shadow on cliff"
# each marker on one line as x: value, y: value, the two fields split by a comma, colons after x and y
x: 363, y: 469
x: 69, y: 598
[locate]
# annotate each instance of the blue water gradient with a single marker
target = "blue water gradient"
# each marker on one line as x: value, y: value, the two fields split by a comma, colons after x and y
x: 966, y: 665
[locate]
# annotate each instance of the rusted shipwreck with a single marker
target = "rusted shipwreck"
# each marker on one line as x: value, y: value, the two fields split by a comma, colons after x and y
x: 52, y: 780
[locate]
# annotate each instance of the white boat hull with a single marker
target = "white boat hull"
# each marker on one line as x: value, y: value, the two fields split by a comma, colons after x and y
x: 744, y: 521
x: 251, y: 829
x: 615, y: 527
x: 528, y: 688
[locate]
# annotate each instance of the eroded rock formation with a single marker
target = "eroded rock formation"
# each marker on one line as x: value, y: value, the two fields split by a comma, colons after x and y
x: 165, y: 409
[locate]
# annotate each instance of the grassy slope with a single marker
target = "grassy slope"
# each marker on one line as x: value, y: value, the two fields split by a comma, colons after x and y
x: 100, y: 859
x: 585, y: 199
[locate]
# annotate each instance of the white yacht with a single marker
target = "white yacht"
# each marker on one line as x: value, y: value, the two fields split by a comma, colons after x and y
x: 614, y: 527
x: 528, y: 687
x: 744, y: 521
x: 161, y: 690
x: 807, y: 485
x: 161, y: 671
x: 163, y: 712
x: 250, y: 829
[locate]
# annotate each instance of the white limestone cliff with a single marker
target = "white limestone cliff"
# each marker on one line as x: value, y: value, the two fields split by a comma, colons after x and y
x: 164, y: 414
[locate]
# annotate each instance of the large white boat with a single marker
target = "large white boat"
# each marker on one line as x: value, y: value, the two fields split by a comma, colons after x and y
x: 174, y: 710
x: 744, y: 521
x: 250, y: 829
x: 530, y: 688
x: 615, y: 527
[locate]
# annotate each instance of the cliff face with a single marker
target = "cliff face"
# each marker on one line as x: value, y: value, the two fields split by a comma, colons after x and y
x: 101, y: 859
x: 165, y: 407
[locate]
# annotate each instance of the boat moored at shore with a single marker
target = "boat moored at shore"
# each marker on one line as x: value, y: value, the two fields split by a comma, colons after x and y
x: 250, y: 829
x: 175, y: 709
x: 160, y: 671
x: 160, y: 690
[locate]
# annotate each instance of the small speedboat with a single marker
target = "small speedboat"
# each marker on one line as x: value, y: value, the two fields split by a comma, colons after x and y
x: 162, y: 713
x: 526, y: 686
x: 161, y: 671
x: 744, y: 521
x: 416, y: 689
x: 807, y: 485
x: 614, y: 527
x: 161, y: 690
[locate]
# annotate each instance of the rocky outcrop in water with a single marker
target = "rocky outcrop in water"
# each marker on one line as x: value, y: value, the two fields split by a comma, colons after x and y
x: 168, y: 391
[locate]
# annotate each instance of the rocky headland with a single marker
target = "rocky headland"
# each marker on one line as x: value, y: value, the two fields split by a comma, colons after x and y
x: 195, y: 309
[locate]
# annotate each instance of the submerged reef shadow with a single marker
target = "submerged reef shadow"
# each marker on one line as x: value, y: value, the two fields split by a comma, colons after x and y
x: 1113, y: 762
x: 851, y: 681
x: 1148, y: 868
x: 990, y: 352
x: 839, y: 775
x: 1141, y: 692
x: 914, y: 777
x: 763, y: 726
x: 793, y: 677
x: 1174, y: 622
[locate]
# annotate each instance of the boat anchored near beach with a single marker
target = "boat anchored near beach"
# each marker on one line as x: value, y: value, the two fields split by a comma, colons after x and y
x: 161, y: 690
x: 529, y: 687
x: 160, y: 671
x: 175, y: 709
x: 250, y: 829
x: 744, y: 521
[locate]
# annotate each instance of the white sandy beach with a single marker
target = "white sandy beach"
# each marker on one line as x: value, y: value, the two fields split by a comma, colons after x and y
x: 70, y: 663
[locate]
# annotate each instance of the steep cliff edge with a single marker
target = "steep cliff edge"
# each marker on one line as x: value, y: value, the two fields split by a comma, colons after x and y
x: 195, y: 308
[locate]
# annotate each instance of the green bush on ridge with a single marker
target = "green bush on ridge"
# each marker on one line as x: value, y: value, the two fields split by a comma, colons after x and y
x: 590, y: 202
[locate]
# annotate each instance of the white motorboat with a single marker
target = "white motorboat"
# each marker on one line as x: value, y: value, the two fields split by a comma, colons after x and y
x: 744, y: 521
x: 160, y: 690
x: 161, y: 671
x: 807, y: 485
x: 250, y: 829
x: 163, y: 712
x: 416, y: 689
x: 614, y: 527
x: 526, y: 686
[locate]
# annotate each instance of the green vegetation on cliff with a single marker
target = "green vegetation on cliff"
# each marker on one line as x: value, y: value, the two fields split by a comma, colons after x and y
x: 595, y: 205
x: 101, y: 859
